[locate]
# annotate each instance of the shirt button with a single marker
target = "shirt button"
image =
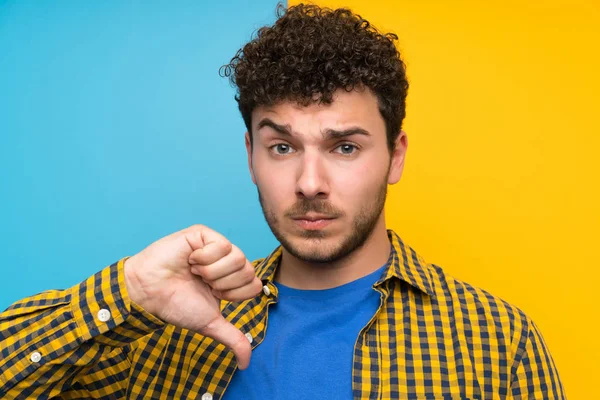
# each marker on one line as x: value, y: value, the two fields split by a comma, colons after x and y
x: 103, y: 315
x: 266, y: 290
x: 35, y: 357
x: 249, y: 337
x: 206, y: 396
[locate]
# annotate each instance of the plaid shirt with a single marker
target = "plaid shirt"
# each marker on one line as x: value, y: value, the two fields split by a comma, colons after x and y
x: 432, y: 337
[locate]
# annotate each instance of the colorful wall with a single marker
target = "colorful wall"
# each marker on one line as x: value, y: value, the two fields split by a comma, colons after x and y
x: 501, y: 185
x: 116, y: 130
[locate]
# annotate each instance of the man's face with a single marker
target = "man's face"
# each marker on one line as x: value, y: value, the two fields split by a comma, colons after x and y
x: 322, y: 173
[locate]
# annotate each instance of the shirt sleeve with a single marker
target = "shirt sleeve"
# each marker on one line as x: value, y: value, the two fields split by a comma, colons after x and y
x: 75, y: 340
x: 535, y: 376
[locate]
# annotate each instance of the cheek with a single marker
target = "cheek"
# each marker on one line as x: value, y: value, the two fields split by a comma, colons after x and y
x: 276, y: 185
x: 359, y: 182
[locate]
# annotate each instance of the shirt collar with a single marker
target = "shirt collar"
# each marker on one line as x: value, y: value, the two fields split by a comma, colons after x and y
x: 404, y: 264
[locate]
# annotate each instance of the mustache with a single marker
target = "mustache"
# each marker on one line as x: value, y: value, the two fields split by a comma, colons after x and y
x: 304, y: 206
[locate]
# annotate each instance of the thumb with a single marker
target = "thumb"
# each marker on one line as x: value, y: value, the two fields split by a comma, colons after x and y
x: 199, y: 236
x: 224, y: 332
x: 207, y: 246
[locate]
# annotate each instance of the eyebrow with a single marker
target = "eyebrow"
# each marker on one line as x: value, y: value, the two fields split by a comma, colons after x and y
x: 328, y: 134
x: 335, y: 134
x: 282, y: 129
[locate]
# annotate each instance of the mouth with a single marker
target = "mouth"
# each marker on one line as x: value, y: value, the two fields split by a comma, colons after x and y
x: 313, y: 221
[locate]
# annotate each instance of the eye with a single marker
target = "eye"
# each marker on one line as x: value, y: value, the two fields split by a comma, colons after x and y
x: 346, y: 149
x: 282, y: 148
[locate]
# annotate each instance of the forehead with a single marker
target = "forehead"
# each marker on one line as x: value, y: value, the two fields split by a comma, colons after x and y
x: 355, y: 108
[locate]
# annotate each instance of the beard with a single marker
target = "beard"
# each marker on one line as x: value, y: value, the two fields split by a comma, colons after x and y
x: 315, y: 251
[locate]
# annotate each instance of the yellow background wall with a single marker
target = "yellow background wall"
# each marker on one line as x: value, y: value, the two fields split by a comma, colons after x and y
x: 502, y: 175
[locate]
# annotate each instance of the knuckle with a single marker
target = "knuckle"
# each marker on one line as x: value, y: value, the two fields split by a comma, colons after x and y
x: 196, y: 257
x: 207, y: 273
x: 249, y: 275
x: 225, y: 246
x: 239, y: 259
x: 194, y: 230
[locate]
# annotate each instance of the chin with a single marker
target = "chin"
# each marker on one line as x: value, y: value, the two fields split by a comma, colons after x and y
x: 314, y: 248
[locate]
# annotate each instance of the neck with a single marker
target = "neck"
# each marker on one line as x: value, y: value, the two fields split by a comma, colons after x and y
x: 299, y: 274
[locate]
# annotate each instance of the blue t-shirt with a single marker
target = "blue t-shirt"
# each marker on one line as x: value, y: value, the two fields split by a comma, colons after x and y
x: 309, y: 344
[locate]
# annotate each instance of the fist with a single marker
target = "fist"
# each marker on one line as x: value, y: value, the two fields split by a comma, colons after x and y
x: 181, y: 278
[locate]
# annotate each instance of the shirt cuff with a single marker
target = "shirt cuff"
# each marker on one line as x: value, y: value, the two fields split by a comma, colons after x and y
x: 103, y: 310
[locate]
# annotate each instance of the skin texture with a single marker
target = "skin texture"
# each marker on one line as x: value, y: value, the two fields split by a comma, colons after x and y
x: 303, y: 171
x: 310, y: 171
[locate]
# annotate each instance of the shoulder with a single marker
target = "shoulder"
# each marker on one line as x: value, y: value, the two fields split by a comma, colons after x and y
x: 479, y: 309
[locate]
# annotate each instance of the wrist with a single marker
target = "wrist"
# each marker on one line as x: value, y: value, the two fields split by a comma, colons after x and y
x: 132, y: 282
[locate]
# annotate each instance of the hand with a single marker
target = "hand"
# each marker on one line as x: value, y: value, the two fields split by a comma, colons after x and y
x: 181, y: 277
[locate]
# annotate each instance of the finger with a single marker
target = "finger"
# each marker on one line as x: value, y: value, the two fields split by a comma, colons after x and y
x: 210, y: 253
x: 240, y: 294
x: 207, y: 242
x: 235, y: 280
x: 224, y: 332
x: 232, y: 262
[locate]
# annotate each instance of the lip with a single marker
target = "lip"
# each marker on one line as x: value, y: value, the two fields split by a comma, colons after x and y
x: 313, y: 222
x: 312, y: 217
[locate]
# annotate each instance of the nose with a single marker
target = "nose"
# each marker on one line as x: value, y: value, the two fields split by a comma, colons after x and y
x: 312, y: 179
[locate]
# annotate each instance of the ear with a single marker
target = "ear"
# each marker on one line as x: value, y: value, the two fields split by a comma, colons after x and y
x: 398, y: 157
x: 249, y: 151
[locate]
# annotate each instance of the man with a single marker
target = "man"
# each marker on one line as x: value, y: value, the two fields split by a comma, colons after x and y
x: 342, y: 309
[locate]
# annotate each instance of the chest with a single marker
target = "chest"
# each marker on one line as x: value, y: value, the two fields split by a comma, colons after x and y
x: 308, y: 348
x: 404, y: 345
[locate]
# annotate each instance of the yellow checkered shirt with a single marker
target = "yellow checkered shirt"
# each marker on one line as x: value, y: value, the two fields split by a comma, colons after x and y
x: 432, y: 337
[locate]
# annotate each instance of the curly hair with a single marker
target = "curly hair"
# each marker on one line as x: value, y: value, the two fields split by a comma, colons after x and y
x: 309, y: 53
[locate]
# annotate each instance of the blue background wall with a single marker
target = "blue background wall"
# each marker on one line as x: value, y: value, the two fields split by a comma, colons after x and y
x: 116, y: 130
